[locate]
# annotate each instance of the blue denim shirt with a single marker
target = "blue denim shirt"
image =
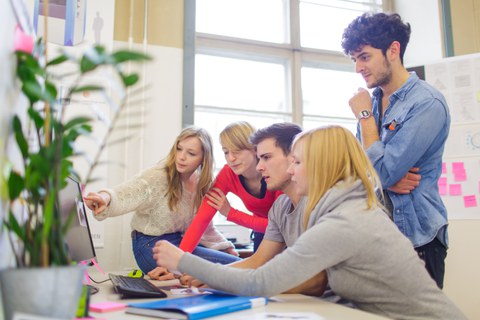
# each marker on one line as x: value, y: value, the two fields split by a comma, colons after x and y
x: 413, y: 133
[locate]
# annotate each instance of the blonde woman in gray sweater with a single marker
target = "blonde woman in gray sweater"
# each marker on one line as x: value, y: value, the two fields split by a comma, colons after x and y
x: 367, y: 260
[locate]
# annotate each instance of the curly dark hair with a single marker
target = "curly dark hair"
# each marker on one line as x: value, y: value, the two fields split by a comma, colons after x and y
x: 378, y: 30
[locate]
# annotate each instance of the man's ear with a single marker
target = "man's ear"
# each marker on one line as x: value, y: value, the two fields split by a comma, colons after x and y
x: 393, y: 51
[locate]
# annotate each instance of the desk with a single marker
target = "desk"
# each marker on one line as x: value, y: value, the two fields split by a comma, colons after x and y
x: 280, y: 303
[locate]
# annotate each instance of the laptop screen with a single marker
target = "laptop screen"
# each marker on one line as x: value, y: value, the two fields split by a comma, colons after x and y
x: 78, y: 238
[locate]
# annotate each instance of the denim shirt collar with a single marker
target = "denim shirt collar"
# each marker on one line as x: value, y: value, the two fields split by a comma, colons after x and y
x: 403, y: 90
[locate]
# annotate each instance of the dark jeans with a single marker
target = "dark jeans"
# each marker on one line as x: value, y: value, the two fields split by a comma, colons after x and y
x: 434, y: 254
x: 143, y: 244
x: 257, y: 238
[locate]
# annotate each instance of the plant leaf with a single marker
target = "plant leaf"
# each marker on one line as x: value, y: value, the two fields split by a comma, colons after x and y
x: 36, y: 117
x: 51, y: 90
x: 126, y: 55
x: 19, y: 137
x: 15, y: 185
x: 58, y: 60
x: 87, y: 65
x: 130, y: 80
x: 76, y: 122
x: 87, y: 88
x: 35, y: 92
x: 14, y: 226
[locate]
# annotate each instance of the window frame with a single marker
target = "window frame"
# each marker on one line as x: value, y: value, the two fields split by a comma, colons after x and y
x: 292, y: 55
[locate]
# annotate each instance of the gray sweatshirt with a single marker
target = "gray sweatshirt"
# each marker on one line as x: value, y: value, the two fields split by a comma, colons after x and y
x: 367, y: 259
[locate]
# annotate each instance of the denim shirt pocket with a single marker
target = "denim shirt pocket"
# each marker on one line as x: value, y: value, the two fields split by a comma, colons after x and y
x: 390, y: 129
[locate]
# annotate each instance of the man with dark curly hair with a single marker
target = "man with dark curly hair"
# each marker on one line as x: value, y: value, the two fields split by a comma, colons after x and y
x: 403, y: 127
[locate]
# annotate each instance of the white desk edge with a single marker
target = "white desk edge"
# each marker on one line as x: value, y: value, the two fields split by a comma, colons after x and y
x: 282, y: 303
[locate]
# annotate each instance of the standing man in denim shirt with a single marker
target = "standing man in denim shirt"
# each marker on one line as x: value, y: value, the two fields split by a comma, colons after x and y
x: 403, y: 127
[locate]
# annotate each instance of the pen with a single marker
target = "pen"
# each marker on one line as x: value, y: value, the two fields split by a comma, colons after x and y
x: 392, y: 125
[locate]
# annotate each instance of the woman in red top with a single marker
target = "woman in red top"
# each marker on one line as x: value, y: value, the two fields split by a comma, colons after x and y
x: 240, y: 177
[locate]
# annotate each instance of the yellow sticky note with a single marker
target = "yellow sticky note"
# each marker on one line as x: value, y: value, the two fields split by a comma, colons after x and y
x: 478, y: 96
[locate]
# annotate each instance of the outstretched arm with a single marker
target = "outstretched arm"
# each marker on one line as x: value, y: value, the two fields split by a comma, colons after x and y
x: 97, y: 201
x: 167, y: 255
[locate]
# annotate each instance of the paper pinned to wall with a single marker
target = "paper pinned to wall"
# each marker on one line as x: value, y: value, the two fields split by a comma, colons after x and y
x: 458, y: 78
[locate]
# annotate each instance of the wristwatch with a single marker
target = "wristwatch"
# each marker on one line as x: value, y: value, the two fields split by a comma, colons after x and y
x: 364, y: 114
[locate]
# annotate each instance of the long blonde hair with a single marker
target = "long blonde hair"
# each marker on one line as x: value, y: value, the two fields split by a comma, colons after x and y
x: 333, y: 154
x: 236, y: 136
x: 174, y: 184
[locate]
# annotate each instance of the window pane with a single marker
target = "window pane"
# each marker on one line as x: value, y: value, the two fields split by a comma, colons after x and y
x: 322, y: 22
x: 311, y: 123
x: 326, y: 92
x: 262, y: 20
x: 240, y: 84
x: 215, y: 122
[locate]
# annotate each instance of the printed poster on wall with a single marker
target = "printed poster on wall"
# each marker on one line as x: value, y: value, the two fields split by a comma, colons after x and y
x: 458, y: 78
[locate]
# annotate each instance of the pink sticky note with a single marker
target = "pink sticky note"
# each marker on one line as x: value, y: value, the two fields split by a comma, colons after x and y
x: 470, y: 201
x: 442, y: 189
x: 106, y: 306
x: 442, y: 181
x: 458, y: 167
x: 460, y: 176
x: 455, y: 189
x: 444, y: 168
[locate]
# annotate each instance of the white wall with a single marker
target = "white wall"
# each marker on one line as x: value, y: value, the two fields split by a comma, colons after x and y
x: 8, y: 103
x: 426, y: 39
x: 162, y: 123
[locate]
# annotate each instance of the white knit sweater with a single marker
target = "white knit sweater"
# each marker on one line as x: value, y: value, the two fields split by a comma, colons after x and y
x: 145, y: 196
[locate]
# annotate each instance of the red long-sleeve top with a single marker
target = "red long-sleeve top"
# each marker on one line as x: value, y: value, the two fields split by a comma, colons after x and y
x: 228, y: 181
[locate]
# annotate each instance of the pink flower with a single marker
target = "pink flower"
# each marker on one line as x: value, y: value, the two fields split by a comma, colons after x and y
x: 22, y: 41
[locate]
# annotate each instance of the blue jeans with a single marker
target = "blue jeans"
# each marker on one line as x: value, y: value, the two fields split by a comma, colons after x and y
x: 143, y: 244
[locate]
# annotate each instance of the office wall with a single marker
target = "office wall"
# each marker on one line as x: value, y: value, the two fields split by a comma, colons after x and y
x: 426, y: 39
x: 7, y: 105
x: 157, y: 31
x: 465, y: 26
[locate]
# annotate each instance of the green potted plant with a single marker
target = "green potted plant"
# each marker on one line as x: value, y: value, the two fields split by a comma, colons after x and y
x: 46, y: 140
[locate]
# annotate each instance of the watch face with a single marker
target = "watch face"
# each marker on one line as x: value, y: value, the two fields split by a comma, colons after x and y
x: 365, y: 114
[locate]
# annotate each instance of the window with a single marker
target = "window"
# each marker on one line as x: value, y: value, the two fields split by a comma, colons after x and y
x: 266, y: 61
x: 322, y: 21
